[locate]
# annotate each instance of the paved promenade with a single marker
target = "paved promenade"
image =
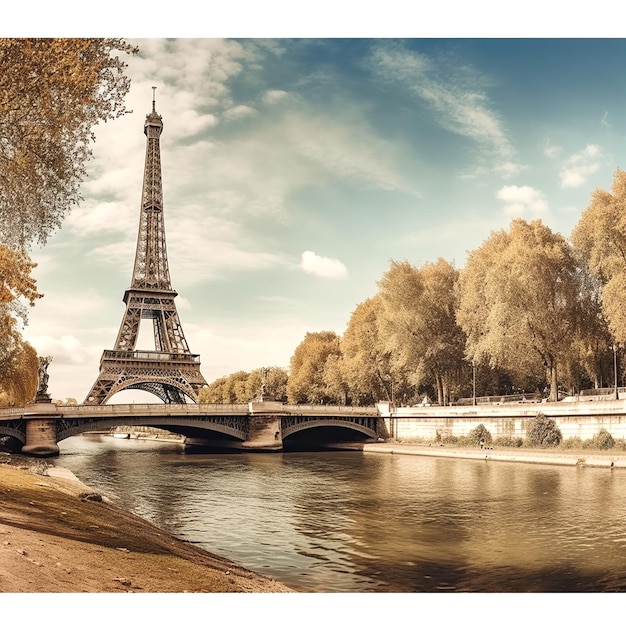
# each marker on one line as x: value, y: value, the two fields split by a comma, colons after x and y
x: 611, y: 459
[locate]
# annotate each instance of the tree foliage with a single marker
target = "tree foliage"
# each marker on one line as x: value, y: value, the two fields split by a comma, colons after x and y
x: 52, y: 93
x: 18, y: 360
x: 307, y: 366
x: 520, y: 301
x: 242, y: 387
x: 18, y: 371
x: 600, y: 237
x: 369, y: 370
x: 420, y: 306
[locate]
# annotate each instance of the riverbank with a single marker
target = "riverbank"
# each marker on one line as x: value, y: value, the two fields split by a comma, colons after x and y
x: 58, y: 535
x: 549, y: 456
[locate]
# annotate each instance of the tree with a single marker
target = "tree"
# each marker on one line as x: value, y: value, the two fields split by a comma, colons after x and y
x: 306, y: 372
x: 420, y: 323
x: 18, y: 372
x: 520, y: 301
x: 600, y: 237
x: 18, y: 360
x: 242, y: 387
x: 369, y: 369
x: 52, y: 93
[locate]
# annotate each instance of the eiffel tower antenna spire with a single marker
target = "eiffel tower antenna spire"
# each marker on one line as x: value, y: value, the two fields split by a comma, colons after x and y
x: 169, y: 371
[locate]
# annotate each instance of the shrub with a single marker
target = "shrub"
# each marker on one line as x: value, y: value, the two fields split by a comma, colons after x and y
x: 543, y: 432
x: 603, y: 440
x: 573, y: 443
x: 509, y: 442
x: 445, y: 437
x: 479, y: 433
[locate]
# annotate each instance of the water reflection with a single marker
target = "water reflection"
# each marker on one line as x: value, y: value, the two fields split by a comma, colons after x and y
x: 368, y: 522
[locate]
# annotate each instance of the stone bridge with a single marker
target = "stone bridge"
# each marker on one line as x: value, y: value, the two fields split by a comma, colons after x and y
x: 36, y: 429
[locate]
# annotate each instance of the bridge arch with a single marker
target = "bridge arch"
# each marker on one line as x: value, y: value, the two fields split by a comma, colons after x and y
x: 231, y: 426
x: 14, y: 430
x: 364, y: 426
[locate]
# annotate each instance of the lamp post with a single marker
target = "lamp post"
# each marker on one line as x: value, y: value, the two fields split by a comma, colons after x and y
x: 615, y: 370
x: 473, y: 383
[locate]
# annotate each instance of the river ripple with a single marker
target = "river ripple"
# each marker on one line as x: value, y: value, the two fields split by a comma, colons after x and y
x: 353, y: 522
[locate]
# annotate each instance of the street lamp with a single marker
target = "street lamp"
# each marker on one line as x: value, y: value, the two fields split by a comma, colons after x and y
x: 615, y: 370
x: 473, y: 383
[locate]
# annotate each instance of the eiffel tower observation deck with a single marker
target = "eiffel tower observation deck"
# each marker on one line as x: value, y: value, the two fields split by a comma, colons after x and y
x: 170, y: 371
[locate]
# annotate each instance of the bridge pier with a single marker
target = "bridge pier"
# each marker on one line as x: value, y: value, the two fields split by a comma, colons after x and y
x: 41, y: 432
x: 264, y: 429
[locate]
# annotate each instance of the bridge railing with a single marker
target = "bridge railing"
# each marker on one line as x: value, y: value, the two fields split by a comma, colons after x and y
x: 157, y: 409
x: 329, y: 408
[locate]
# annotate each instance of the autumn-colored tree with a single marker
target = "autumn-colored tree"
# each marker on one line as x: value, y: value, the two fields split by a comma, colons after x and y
x: 18, y: 360
x: 66, y: 402
x: 18, y: 372
x: 592, y: 348
x: 421, y: 330
x: 271, y: 382
x: 335, y: 380
x: 600, y: 238
x: 520, y: 301
x: 242, y: 387
x: 52, y: 93
x: 370, y: 371
x: 306, y: 373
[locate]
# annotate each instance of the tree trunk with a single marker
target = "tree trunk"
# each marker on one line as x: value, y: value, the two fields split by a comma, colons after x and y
x: 440, y: 396
x: 554, y: 384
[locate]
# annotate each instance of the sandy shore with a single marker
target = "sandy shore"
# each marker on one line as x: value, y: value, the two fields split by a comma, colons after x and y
x: 57, y: 535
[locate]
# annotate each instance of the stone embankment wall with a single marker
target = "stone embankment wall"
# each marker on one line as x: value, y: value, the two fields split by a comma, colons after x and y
x: 582, y: 420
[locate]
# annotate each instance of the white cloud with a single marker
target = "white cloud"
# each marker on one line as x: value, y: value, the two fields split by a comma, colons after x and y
x: 66, y: 349
x: 580, y: 165
x: 509, y: 169
x: 239, y: 112
x: 552, y: 151
x: 605, y: 120
x: 522, y: 201
x: 272, y: 96
x: 451, y: 91
x: 322, y: 266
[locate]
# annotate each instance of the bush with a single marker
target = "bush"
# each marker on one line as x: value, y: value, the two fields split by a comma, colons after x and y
x: 478, y: 434
x: 573, y: 443
x: 509, y: 442
x: 543, y: 432
x: 445, y: 437
x: 603, y: 440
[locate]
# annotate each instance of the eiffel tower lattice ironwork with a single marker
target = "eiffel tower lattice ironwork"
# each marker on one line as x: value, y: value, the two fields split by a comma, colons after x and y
x: 169, y: 371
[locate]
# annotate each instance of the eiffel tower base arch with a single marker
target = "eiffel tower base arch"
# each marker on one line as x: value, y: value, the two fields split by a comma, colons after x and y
x: 173, y: 378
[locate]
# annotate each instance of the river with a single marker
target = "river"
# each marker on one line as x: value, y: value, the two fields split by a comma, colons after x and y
x: 366, y: 522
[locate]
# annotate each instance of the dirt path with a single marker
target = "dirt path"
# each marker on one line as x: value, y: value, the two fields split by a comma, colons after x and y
x: 57, y: 535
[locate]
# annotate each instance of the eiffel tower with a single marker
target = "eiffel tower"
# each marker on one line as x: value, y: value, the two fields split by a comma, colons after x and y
x: 169, y: 371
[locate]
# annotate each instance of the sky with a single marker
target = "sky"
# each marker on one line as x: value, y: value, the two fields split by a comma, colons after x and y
x: 295, y: 169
